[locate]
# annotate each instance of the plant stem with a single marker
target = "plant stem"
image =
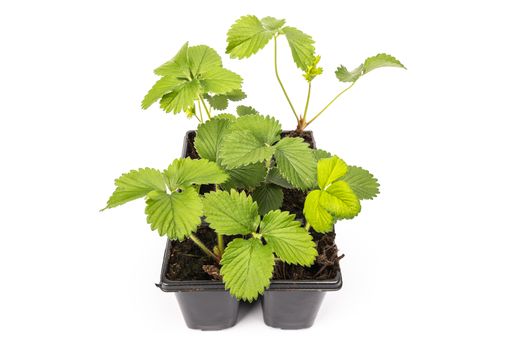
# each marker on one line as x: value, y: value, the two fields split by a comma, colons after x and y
x: 200, y: 111
x: 205, y: 249
x: 205, y: 107
x: 220, y: 243
x: 307, y: 226
x: 279, y: 79
x: 330, y: 103
x: 307, y: 99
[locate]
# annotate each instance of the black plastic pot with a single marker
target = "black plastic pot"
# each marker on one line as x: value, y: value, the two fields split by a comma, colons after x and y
x: 205, y: 305
x: 294, y: 304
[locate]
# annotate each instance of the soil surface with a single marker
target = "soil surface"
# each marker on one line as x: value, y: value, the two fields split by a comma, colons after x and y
x: 188, y: 262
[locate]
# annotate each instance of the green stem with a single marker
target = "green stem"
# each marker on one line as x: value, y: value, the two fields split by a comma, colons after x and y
x: 307, y: 99
x: 205, y: 249
x: 330, y: 103
x: 205, y: 107
x: 200, y: 112
x: 279, y: 79
x: 307, y: 226
x: 220, y: 243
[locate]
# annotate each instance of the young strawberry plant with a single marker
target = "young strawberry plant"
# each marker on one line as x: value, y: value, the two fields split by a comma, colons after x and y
x: 273, y: 196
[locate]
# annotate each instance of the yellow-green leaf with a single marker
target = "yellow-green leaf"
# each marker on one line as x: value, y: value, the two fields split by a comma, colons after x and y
x: 320, y: 219
x: 340, y: 201
x: 330, y: 170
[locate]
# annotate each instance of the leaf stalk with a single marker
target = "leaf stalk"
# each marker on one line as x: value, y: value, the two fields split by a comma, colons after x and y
x: 329, y: 104
x: 307, y: 99
x: 205, y: 107
x: 220, y: 243
x: 203, y: 247
x: 279, y: 78
x: 200, y: 112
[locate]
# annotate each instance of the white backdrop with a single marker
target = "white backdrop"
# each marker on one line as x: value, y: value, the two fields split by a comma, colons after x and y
x: 436, y: 262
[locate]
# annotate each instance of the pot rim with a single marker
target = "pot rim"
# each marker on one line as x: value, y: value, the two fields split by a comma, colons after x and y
x: 168, y: 285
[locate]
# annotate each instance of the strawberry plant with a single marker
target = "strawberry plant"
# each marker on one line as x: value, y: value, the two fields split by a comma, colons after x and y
x: 249, y: 34
x: 249, y: 161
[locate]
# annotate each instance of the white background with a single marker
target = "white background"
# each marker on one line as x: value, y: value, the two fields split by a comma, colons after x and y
x: 436, y: 262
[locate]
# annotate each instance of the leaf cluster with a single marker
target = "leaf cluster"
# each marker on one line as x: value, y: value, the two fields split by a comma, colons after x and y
x: 173, y: 205
x: 252, y: 152
x: 194, y: 72
x: 247, y: 263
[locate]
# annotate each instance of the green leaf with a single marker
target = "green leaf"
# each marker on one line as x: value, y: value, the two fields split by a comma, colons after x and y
x: 268, y: 197
x: 301, y: 44
x: 193, y: 71
x: 291, y: 242
x: 160, y: 88
x: 320, y: 219
x: 181, y: 97
x: 247, y: 266
x: 296, y: 162
x: 177, y: 214
x: 235, y: 95
x: 242, y: 148
x: 330, y: 170
x: 346, y: 76
x: 381, y: 60
x: 219, y: 102
x: 246, y: 110
x: 210, y: 136
x: 202, y: 59
x: 340, y: 201
x: 136, y: 184
x: 226, y: 116
x: 266, y: 129
x: 185, y: 172
x: 371, y: 63
x: 272, y: 24
x: 220, y: 80
x: 177, y: 66
x: 246, y: 176
x: 248, y: 35
x: 231, y: 213
x: 320, y: 154
x: 362, y: 182
x: 274, y: 177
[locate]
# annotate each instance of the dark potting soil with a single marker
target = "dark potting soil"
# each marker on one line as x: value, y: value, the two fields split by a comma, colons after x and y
x: 188, y: 262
